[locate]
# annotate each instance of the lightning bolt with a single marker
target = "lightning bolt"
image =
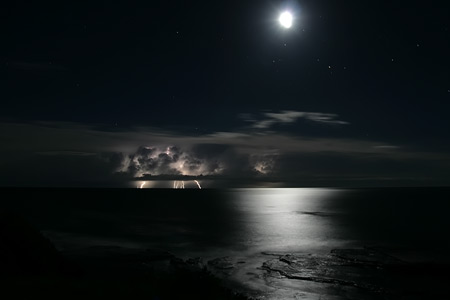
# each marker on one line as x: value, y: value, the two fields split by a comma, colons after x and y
x: 178, y: 185
x: 181, y: 185
x: 142, y: 185
x: 199, y: 186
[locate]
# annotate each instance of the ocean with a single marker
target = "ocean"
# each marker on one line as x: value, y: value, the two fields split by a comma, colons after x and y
x: 190, y: 221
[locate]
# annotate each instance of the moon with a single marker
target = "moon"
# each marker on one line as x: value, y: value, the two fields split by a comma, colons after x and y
x: 286, y: 19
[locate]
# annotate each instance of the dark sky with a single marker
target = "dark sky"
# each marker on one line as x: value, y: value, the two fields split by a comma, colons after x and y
x: 99, y: 93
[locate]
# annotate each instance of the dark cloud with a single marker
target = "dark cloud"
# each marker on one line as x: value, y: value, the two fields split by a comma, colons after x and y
x: 59, y: 170
x: 71, y: 154
x: 365, y: 169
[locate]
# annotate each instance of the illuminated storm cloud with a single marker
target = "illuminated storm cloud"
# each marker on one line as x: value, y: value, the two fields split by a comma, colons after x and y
x: 263, y: 164
x: 167, y: 161
x: 172, y: 160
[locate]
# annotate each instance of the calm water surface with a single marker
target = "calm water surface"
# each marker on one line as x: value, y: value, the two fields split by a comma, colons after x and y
x: 244, y: 221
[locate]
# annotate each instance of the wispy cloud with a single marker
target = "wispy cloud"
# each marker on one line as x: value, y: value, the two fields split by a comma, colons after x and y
x: 290, y: 116
x: 387, y: 147
x: 228, y: 135
x: 66, y: 153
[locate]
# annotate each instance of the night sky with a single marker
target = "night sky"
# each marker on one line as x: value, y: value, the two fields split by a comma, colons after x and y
x: 103, y: 93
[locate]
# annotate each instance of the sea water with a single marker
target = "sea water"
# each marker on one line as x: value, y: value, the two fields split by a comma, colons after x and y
x: 213, y: 223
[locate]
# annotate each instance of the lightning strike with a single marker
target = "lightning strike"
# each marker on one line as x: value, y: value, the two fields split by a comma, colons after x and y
x: 142, y: 185
x: 178, y: 185
x: 198, y: 184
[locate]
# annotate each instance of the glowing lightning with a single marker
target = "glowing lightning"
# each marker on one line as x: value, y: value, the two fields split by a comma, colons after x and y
x: 198, y: 184
x: 178, y: 185
x: 142, y: 185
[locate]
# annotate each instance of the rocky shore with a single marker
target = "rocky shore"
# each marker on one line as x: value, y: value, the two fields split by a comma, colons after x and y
x: 30, y: 267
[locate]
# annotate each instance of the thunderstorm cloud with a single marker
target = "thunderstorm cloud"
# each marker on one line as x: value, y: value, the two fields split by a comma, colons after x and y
x: 70, y: 154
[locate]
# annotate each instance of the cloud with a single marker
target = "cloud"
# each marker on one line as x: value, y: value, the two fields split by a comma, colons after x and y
x: 170, y: 160
x: 264, y: 164
x: 198, y: 160
x: 291, y: 116
x: 324, y: 118
x: 264, y: 124
x: 67, y: 153
x: 388, y: 147
x: 71, y: 153
x: 287, y: 116
x: 59, y: 170
x: 228, y: 135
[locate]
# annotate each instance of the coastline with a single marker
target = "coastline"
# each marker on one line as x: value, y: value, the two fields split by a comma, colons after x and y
x: 42, y: 250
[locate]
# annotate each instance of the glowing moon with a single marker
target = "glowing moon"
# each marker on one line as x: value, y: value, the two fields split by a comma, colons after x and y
x: 286, y: 19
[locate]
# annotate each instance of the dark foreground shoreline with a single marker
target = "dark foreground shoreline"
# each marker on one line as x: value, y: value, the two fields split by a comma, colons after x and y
x: 31, y: 265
